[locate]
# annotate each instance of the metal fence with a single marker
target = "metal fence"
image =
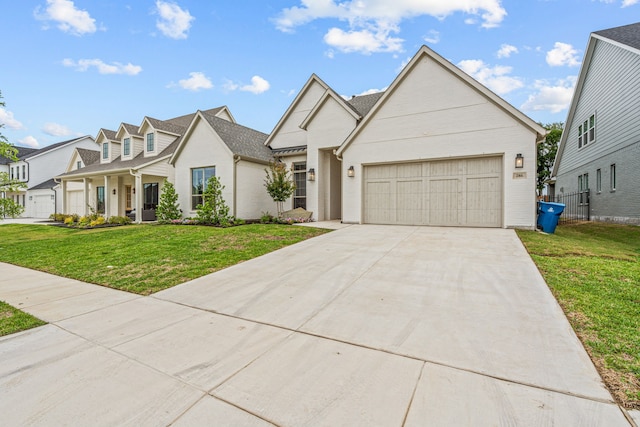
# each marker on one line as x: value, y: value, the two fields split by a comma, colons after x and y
x: 576, y: 206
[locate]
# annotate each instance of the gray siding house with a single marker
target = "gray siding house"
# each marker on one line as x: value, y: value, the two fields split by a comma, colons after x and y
x: 599, y: 151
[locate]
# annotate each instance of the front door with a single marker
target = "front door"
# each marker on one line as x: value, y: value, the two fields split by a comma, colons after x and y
x: 127, y: 198
x: 150, y: 201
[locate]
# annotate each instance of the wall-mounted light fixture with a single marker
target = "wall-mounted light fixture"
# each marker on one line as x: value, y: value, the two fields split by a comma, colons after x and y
x: 519, y: 161
x: 351, y: 172
x: 114, y: 191
x: 134, y: 190
x: 311, y: 175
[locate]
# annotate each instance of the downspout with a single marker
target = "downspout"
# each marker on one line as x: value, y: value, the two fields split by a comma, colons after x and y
x: 236, y: 160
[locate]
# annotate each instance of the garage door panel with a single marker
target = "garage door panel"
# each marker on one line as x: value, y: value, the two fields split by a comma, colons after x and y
x: 379, y: 202
x: 409, y: 202
x: 466, y: 192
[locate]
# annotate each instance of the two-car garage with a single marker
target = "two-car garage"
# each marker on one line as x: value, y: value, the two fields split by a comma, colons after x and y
x: 453, y: 192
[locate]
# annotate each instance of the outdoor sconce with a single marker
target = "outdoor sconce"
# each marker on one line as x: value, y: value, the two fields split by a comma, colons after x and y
x: 114, y: 191
x: 351, y: 172
x: 519, y: 161
x: 134, y: 190
x: 311, y: 175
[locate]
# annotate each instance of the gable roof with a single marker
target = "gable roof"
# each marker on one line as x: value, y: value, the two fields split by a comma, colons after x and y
x: 165, y: 125
x: 46, y: 185
x: 52, y: 147
x: 364, y: 103
x: 88, y: 157
x: 627, y: 37
x: 425, y: 51
x: 108, y: 134
x: 241, y: 140
x: 22, y: 151
x: 313, y: 79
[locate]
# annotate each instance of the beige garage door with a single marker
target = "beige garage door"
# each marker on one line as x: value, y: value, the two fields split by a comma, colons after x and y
x: 461, y: 192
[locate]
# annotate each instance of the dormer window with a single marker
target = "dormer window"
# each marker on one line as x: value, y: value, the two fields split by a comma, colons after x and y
x: 150, y: 143
x: 79, y: 164
x: 105, y: 151
x: 126, y: 147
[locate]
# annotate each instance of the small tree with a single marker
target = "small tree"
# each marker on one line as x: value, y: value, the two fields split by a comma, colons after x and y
x: 547, y: 150
x: 6, y: 149
x: 279, y: 184
x: 214, y: 209
x: 168, y: 207
x: 8, y: 207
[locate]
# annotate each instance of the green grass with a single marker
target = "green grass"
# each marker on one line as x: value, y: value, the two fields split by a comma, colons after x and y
x: 141, y: 258
x: 13, y: 320
x: 593, y: 269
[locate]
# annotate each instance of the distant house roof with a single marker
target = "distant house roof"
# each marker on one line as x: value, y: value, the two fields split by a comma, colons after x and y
x: 51, y: 147
x: 47, y: 185
x: 364, y: 103
x: 627, y: 34
x: 22, y: 151
x: 88, y: 157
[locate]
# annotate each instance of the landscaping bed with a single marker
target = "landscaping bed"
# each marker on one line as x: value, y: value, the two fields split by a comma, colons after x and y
x: 593, y: 269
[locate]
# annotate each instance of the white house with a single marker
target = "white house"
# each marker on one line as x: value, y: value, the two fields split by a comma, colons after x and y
x: 598, y: 151
x: 37, y: 169
x: 436, y: 148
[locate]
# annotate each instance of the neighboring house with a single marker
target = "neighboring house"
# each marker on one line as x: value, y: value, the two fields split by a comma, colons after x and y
x: 22, y: 151
x: 36, y: 169
x: 134, y: 161
x: 436, y: 148
x: 217, y: 146
x: 599, y: 151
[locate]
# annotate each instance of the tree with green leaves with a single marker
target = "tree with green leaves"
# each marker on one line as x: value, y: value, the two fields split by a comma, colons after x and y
x: 168, y: 207
x: 8, y: 207
x: 279, y: 183
x: 6, y: 149
x: 547, y: 150
x: 213, y: 210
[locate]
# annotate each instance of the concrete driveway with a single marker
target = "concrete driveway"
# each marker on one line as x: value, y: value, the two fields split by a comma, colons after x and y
x: 367, y: 325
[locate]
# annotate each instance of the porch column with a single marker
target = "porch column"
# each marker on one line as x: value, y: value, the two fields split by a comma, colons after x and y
x: 63, y: 197
x: 107, y: 196
x: 85, y: 187
x: 139, y: 194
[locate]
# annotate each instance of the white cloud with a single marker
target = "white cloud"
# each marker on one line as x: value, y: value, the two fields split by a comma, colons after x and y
x: 495, y: 78
x: 174, y: 22
x: 69, y: 18
x: 102, y: 67
x: 553, y: 97
x: 432, y: 37
x: 7, y: 119
x: 371, y: 23
x: 563, y: 54
x: 196, y: 82
x: 258, y: 85
x: 364, y: 41
x: 626, y: 3
x: 55, y: 129
x: 29, y: 141
x: 506, y: 50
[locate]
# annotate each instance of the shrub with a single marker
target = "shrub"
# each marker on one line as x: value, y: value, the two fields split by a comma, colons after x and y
x: 168, y: 207
x: 69, y: 220
x: 213, y: 210
x: 267, y: 218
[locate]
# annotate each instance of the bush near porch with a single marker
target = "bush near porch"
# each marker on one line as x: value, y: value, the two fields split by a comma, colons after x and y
x: 593, y: 269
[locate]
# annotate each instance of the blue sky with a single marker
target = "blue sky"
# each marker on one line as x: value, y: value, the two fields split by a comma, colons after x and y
x: 71, y: 67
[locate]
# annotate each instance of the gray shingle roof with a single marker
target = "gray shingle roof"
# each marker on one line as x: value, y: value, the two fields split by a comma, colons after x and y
x: 241, y: 140
x: 47, y: 185
x: 132, y: 129
x: 49, y: 148
x: 22, y: 151
x: 168, y: 126
x: 88, y: 157
x: 627, y: 34
x: 300, y: 149
x: 364, y: 103
x: 109, y: 134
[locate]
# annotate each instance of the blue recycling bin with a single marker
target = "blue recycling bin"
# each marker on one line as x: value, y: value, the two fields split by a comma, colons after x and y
x: 548, y: 215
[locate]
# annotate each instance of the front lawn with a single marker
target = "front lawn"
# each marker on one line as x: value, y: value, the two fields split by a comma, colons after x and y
x: 142, y: 258
x: 593, y: 269
x: 13, y: 320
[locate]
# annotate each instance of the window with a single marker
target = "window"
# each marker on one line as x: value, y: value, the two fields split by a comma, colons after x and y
x: 150, y: 195
x: 24, y: 201
x: 78, y: 164
x: 199, y: 179
x: 10, y: 173
x: 150, y: 143
x: 612, y: 175
x: 24, y: 172
x: 599, y: 181
x: 587, y: 131
x: 300, y: 179
x: 105, y: 150
x: 126, y: 147
x: 583, y: 188
x: 100, y: 199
